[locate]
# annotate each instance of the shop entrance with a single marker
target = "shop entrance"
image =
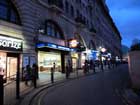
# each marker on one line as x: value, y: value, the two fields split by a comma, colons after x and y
x: 11, y: 67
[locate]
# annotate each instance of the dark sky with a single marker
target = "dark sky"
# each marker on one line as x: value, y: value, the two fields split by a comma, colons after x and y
x: 126, y: 15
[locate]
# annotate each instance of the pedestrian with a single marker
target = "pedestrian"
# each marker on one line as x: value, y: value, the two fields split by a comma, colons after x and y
x: 108, y: 62
x: 68, y: 69
x: 27, y: 74
x: 85, y: 67
x: 92, y: 66
x: 34, y: 74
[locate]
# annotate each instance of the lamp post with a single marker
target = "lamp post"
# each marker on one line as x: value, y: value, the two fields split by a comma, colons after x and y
x: 101, y: 50
x: 109, y: 56
x: 1, y: 87
x: 73, y: 43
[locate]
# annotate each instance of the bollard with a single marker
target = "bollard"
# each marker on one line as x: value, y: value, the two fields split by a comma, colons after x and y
x: 77, y: 72
x: 1, y: 90
x: 102, y: 68
x: 109, y: 65
x: 17, y: 85
x: 67, y: 72
x: 94, y: 71
x: 52, y: 75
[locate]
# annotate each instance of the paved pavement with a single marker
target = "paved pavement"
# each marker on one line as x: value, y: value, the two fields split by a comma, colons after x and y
x: 28, y: 92
x: 99, y: 89
x: 44, y: 80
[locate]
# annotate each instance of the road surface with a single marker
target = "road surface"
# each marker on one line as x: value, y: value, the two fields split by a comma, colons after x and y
x: 98, y: 89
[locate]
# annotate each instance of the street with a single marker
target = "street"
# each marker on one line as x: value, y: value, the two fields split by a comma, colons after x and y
x: 98, y: 89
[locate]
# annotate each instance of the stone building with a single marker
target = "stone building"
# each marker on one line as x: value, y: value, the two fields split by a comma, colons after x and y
x: 40, y: 31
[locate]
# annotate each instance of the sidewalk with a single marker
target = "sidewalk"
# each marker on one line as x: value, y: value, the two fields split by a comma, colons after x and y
x: 43, y: 82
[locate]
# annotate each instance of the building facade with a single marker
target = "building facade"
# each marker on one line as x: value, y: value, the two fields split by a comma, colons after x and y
x: 40, y: 31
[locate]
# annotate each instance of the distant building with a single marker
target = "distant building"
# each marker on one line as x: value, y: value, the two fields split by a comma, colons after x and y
x: 135, y: 41
x: 41, y: 31
x: 125, y: 51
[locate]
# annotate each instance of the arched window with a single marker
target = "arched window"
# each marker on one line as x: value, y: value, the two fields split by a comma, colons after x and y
x: 8, y: 12
x: 52, y: 29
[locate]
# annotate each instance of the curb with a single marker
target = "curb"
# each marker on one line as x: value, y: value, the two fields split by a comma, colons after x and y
x: 28, y: 98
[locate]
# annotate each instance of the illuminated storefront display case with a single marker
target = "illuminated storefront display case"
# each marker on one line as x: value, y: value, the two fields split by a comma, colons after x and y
x: 3, y: 64
x: 47, y: 59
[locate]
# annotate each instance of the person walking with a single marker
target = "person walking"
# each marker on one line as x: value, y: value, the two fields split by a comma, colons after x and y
x: 34, y: 75
x: 27, y: 74
x: 68, y: 69
x: 85, y: 67
x: 92, y: 66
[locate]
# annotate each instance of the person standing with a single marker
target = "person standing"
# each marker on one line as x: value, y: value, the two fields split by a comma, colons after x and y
x: 92, y: 66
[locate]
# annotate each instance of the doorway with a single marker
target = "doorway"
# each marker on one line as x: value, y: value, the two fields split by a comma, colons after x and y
x: 11, y: 67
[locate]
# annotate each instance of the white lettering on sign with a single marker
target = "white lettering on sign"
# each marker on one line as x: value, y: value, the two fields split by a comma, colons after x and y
x: 10, y: 42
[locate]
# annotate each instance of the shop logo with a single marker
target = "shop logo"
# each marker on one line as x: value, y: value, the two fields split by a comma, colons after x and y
x: 9, y: 43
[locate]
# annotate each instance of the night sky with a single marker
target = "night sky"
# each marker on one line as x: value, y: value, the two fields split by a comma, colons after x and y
x: 126, y: 15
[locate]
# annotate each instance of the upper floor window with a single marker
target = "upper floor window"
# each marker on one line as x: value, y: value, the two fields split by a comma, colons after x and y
x: 52, y: 29
x: 78, y: 13
x: 67, y: 7
x: 72, y: 11
x: 8, y: 12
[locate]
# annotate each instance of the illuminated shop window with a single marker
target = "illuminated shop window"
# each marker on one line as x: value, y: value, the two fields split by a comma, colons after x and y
x: 8, y: 12
x: 52, y: 29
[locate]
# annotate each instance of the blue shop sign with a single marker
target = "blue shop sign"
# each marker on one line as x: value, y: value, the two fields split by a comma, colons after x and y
x: 54, y: 46
x: 94, y: 54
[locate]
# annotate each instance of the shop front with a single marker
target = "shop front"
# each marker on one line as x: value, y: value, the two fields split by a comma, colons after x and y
x: 52, y: 56
x: 75, y: 58
x: 46, y: 60
x: 10, y: 51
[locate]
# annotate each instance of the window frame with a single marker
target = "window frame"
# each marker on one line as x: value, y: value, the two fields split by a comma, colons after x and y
x: 56, y: 32
x: 10, y: 8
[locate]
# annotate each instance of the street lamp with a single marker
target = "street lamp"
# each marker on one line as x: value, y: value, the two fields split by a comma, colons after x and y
x: 73, y: 43
x: 101, y: 50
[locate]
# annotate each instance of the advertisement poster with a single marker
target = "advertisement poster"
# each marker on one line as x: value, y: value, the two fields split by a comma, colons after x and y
x: 32, y: 61
x: 25, y: 61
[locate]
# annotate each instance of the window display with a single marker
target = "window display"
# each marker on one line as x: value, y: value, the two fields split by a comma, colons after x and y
x: 47, y: 59
x: 11, y: 67
x: 3, y: 64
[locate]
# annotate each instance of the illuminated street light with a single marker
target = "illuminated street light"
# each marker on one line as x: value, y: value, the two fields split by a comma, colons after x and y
x: 102, y: 50
x: 73, y: 43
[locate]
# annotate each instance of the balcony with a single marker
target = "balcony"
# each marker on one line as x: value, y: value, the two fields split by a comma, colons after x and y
x: 80, y: 21
x: 56, y: 5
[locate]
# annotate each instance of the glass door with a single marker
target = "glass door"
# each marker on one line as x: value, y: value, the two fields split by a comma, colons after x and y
x: 11, y: 67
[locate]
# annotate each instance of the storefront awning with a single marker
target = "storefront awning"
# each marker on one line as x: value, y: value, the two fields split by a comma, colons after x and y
x: 53, y: 46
